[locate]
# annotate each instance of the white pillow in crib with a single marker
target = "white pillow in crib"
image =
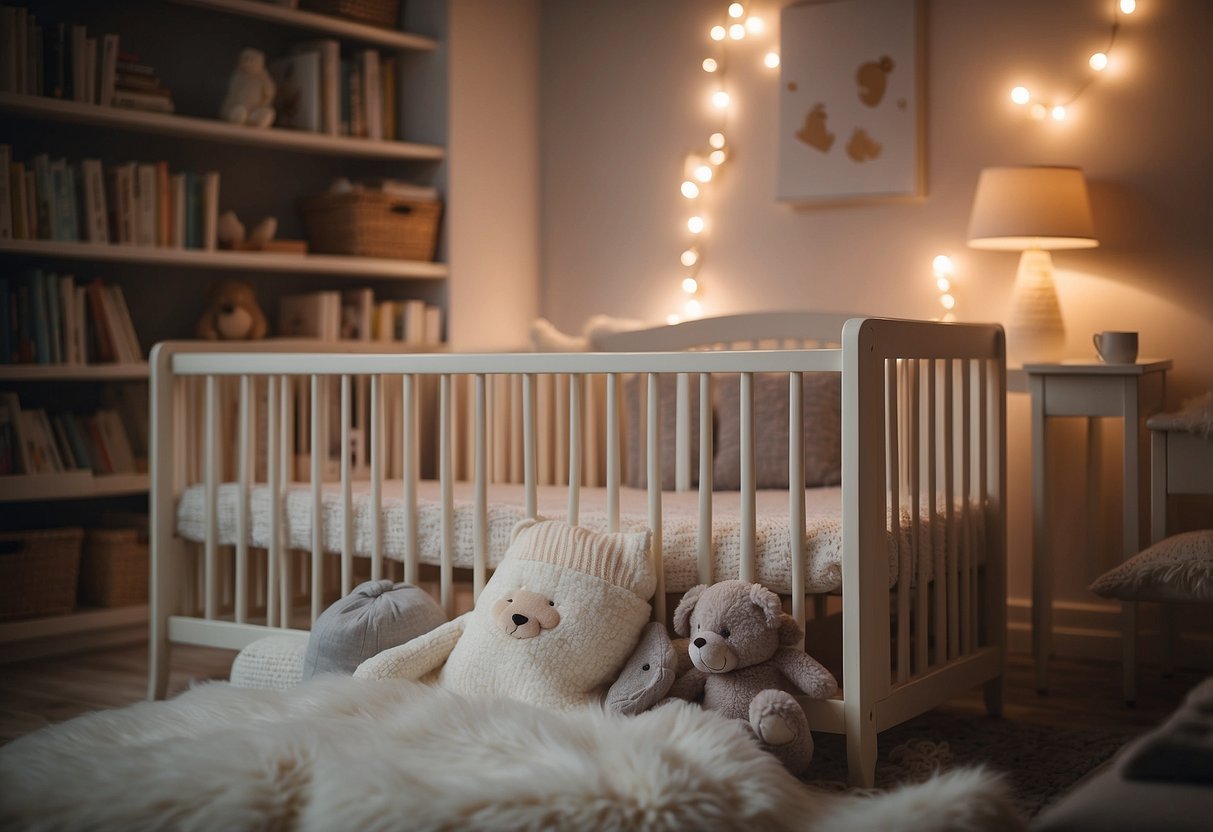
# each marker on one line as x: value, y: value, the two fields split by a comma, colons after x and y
x: 1177, y: 568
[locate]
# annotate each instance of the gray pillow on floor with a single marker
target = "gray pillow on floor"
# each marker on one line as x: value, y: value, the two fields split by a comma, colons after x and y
x: 375, y: 616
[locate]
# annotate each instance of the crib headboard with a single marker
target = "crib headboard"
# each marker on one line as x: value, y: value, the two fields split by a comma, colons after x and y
x: 752, y: 330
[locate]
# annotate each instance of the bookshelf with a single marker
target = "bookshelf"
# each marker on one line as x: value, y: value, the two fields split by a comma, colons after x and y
x: 264, y: 172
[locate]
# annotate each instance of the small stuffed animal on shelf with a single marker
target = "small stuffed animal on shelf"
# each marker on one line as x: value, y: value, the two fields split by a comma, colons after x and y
x: 232, y: 313
x: 250, y: 92
x: 745, y: 668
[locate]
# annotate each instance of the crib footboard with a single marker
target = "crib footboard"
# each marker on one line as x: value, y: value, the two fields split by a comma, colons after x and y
x: 262, y: 435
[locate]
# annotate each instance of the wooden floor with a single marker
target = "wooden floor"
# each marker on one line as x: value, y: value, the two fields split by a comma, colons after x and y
x: 42, y: 692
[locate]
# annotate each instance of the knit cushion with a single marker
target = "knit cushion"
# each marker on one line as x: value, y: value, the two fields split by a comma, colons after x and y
x: 1177, y: 568
x: 273, y: 662
x: 635, y: 419
x: 376, y: 615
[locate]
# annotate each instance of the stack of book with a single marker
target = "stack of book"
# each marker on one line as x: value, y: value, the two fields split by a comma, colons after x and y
x: 355, y: 315
x: 48, y: 319
x: 105, y: 441
x: 133, y: 203
x: 319, y: 91
x: 137, y: 86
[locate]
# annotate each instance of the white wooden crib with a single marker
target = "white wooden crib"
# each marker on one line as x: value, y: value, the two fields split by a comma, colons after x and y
x: 922, y: 551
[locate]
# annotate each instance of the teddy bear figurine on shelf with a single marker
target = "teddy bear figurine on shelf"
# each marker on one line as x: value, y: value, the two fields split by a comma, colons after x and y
x: 745, y: 667
x: 232, y: 313
x: 250, y: 92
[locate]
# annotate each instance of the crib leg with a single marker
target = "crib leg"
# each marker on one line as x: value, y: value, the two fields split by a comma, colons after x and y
x: 993, y: 695
x: 165, y: 585
x: 861, y: 754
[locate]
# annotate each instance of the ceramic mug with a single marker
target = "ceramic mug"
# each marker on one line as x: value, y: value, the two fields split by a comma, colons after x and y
x: 1116, y: 347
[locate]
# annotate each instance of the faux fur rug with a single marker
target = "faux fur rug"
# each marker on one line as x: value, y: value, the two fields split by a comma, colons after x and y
x: 348, y: 754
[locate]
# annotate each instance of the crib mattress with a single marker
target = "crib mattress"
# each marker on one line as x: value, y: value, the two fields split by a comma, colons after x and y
x: 680, y: 523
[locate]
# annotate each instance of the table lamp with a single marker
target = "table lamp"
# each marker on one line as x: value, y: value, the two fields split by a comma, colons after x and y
x: 1032, y: 210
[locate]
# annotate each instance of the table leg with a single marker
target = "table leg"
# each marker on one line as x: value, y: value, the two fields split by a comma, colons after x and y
x: 1042, y: 600
x: 1131, y: 536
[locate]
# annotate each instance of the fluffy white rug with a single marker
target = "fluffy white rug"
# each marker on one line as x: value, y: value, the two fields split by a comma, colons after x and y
x: 347, y: 754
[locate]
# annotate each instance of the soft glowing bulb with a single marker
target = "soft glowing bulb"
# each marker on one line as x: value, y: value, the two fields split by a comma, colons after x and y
x: 771, y: 59
x: 720, y: 99
x: 755, y: 25
x: 1020, y: 95
x: 690, y: 257
x: 703, y: 173
x: 671, y: 319
x: 690, y: 285
x: 695, y: 224
x: 1058, y: 113
x: 716, y: 157
x: 943, y: 284
x: 1039, y: 111
x: 735, y: 10
x: 948, y: 301
x: 689, y: 189
x: 693, y: 308
x: 716, y: 140
x: 942, y: 265
x: 737, y: 31
x: 709, y: 65
x: 1128, y: 6
x: 717, y: 33
x: 1099, y: 62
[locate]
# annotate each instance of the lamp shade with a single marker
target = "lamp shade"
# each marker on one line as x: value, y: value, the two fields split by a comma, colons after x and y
x: 1019, y: 208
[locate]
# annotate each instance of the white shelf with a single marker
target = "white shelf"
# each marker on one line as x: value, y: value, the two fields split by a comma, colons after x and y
x: 332, y: 264
x: 74, y: 622
x: 73, y: 372
x: 209, y: 129
x: 71, y: 485
x: 311, y: 21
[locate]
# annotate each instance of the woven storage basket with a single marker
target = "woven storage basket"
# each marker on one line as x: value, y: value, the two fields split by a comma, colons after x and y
x: 113, y: 568
x: 376, y: 12
x: 38, y: 572
x: 372, y: 224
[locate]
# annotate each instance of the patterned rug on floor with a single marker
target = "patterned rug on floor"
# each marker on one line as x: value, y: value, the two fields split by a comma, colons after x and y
x: 1040, y: 761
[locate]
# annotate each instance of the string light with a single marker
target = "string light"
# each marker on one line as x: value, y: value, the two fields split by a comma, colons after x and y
x: 1098, y: 62
x: 944, y: 271
x: 701, y: 168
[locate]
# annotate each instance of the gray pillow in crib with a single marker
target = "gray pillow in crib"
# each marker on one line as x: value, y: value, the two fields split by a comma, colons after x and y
x: 822, y: 406
x: 376, y: 615
x: 635, y: 452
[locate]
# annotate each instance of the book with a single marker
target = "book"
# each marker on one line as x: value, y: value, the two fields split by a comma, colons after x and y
x: 356, y: 108
x: 96, y: 211
x: 357, y: 310
x: 66, y: 454
x: 126, y: 327
x: 50, y: 444
x: 21, y: 59
x: 8, y: 54
x: 146, y: 101
x: 413, y: 313
x: 6, y: 327
x: 103, y: 339
x: 109, y: 68
x: 122, y: 207
x: 130, y: 400
x: 69, y: 349
x: 210, y: 210
x: 50, y: 292
x: 40, y: 317
x: 33, y: 59
x: 145, y: 199
x: 193, y: 211
x: 433, y: 325
x: 329, y: 52
x: 6, y: 195
x: 114, y: 438
x: 310, y: 315
x: 297, y: 99
x: 124, y: 352
x: 90, y: 70
x: 387, y: 91
x: 31, y: 205
x: 54, y: 51
x: 8, y: 443
x: 21, y: 460
x: 44, y: 196
x: 97, y: 451
x: 79, y: 68
x: 177, y: 192
x: 382, y: 327
x: 84, y: 348
x: 372, y: 100
x: 75, y: 438
x: 164, y: 206
x: 17, y: 201
x: 63, y: 179
x: 39, y: 446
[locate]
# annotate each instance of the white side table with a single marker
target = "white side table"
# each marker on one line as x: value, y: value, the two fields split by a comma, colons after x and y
x: 1091, y: 389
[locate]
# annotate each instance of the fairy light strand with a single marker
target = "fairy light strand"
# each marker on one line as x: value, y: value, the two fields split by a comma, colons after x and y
x: 701, y: 168
x: 1097, y: 62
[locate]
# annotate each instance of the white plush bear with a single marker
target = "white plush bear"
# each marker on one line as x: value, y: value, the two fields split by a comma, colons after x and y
x: 250, y: 92
x: 553, y: 626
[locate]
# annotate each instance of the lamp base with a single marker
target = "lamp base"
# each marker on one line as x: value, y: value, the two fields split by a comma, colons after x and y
x: 1035, y: 332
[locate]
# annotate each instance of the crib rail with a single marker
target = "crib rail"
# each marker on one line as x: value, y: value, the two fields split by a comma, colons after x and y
x: 922, y: 434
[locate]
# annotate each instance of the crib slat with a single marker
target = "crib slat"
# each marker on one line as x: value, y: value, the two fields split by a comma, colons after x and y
x: 543, y: 417
x: 515, y: 390
x: 983, y: 472
x: 654, y: 490
x: 747, y: 496
x: 376, y: 445
x: 705, y: 479
x: 347, y: 493
x: 576, y: 394
x: 273, y: 476
x: 949, y: 489
x: 966, y: 494
x: 937, y: 555
x: 593, y: 442
x: 286, y: 458
x: 244, y: 476
x: 916, y: 550
x: 612, y: 452
x: 892, y: 398
x: 447, y: 484
x: 481, y: 529
x: 317, y: 497
x: 528, y: 444
x: 211, y: 466
x: 410, y: 473
x: 682, y: 433
x: 796, y: 493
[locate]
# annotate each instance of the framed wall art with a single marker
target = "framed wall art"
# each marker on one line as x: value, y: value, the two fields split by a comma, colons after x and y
x: 851, y: 101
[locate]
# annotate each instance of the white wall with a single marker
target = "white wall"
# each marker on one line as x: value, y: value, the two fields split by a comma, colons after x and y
x: 623, y: 97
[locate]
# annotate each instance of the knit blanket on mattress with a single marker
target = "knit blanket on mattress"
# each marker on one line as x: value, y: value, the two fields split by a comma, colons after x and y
x: 680, y: 525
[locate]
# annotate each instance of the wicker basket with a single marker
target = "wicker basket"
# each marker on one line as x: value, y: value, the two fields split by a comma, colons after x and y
x: 372, y: 224
x: 376, y: 12
x: 113, y: 568
x: 38, y: 572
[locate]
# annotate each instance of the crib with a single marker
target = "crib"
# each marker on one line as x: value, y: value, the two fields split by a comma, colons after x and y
x: 283, y: 472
